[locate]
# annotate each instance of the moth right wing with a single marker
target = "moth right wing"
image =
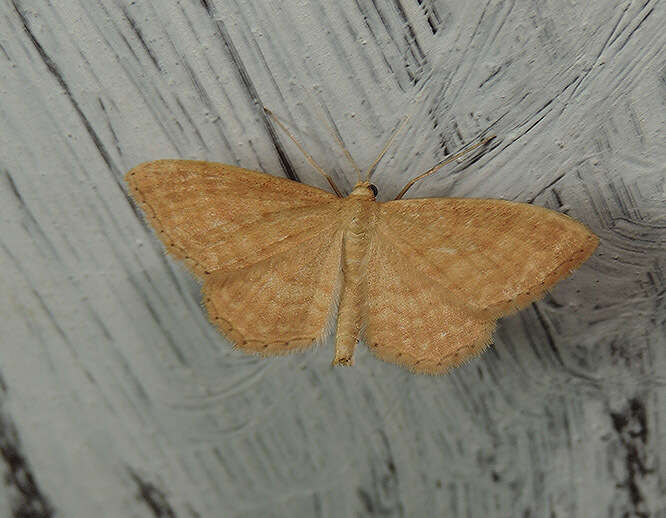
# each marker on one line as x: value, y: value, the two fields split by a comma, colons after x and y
x: 442, y: 270
x: 217, y: 217
x: 408, y: 319
x: 489, y: 257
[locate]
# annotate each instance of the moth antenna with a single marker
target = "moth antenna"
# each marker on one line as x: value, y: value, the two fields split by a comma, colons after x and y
x: 332, y: 129
x: 442, y: 164
x: 336, y: 135
x: 309, y: 158
x: 385, y: 149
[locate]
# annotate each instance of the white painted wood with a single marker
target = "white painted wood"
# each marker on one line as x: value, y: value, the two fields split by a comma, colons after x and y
x: 119, y: 399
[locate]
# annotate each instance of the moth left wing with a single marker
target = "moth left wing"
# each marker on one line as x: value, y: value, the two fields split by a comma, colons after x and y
x: 218, y: 217
x: 489, y: 257
x: 283, y: 303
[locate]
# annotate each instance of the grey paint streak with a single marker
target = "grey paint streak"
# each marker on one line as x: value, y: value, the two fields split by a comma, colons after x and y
x: 26, y: 498
x: 119, y: 399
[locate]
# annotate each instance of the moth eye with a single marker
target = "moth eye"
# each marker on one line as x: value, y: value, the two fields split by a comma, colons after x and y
x: 373, y: 189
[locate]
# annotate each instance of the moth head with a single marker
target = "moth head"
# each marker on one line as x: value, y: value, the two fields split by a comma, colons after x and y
x: 364, y: 190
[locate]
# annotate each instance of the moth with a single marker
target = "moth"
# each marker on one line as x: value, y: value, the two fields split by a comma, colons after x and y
x: 421, y: 281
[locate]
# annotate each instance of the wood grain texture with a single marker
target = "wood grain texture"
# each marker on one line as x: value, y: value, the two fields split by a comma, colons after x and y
x: 117, y: 397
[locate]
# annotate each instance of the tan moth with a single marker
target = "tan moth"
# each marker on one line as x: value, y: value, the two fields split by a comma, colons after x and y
x: 422, y: 281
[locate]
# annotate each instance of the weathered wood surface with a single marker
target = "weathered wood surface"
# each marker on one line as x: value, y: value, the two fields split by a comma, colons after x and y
x: 117, y: 398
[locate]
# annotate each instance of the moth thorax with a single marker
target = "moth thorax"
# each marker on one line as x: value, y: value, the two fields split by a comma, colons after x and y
x: 364, y: 190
